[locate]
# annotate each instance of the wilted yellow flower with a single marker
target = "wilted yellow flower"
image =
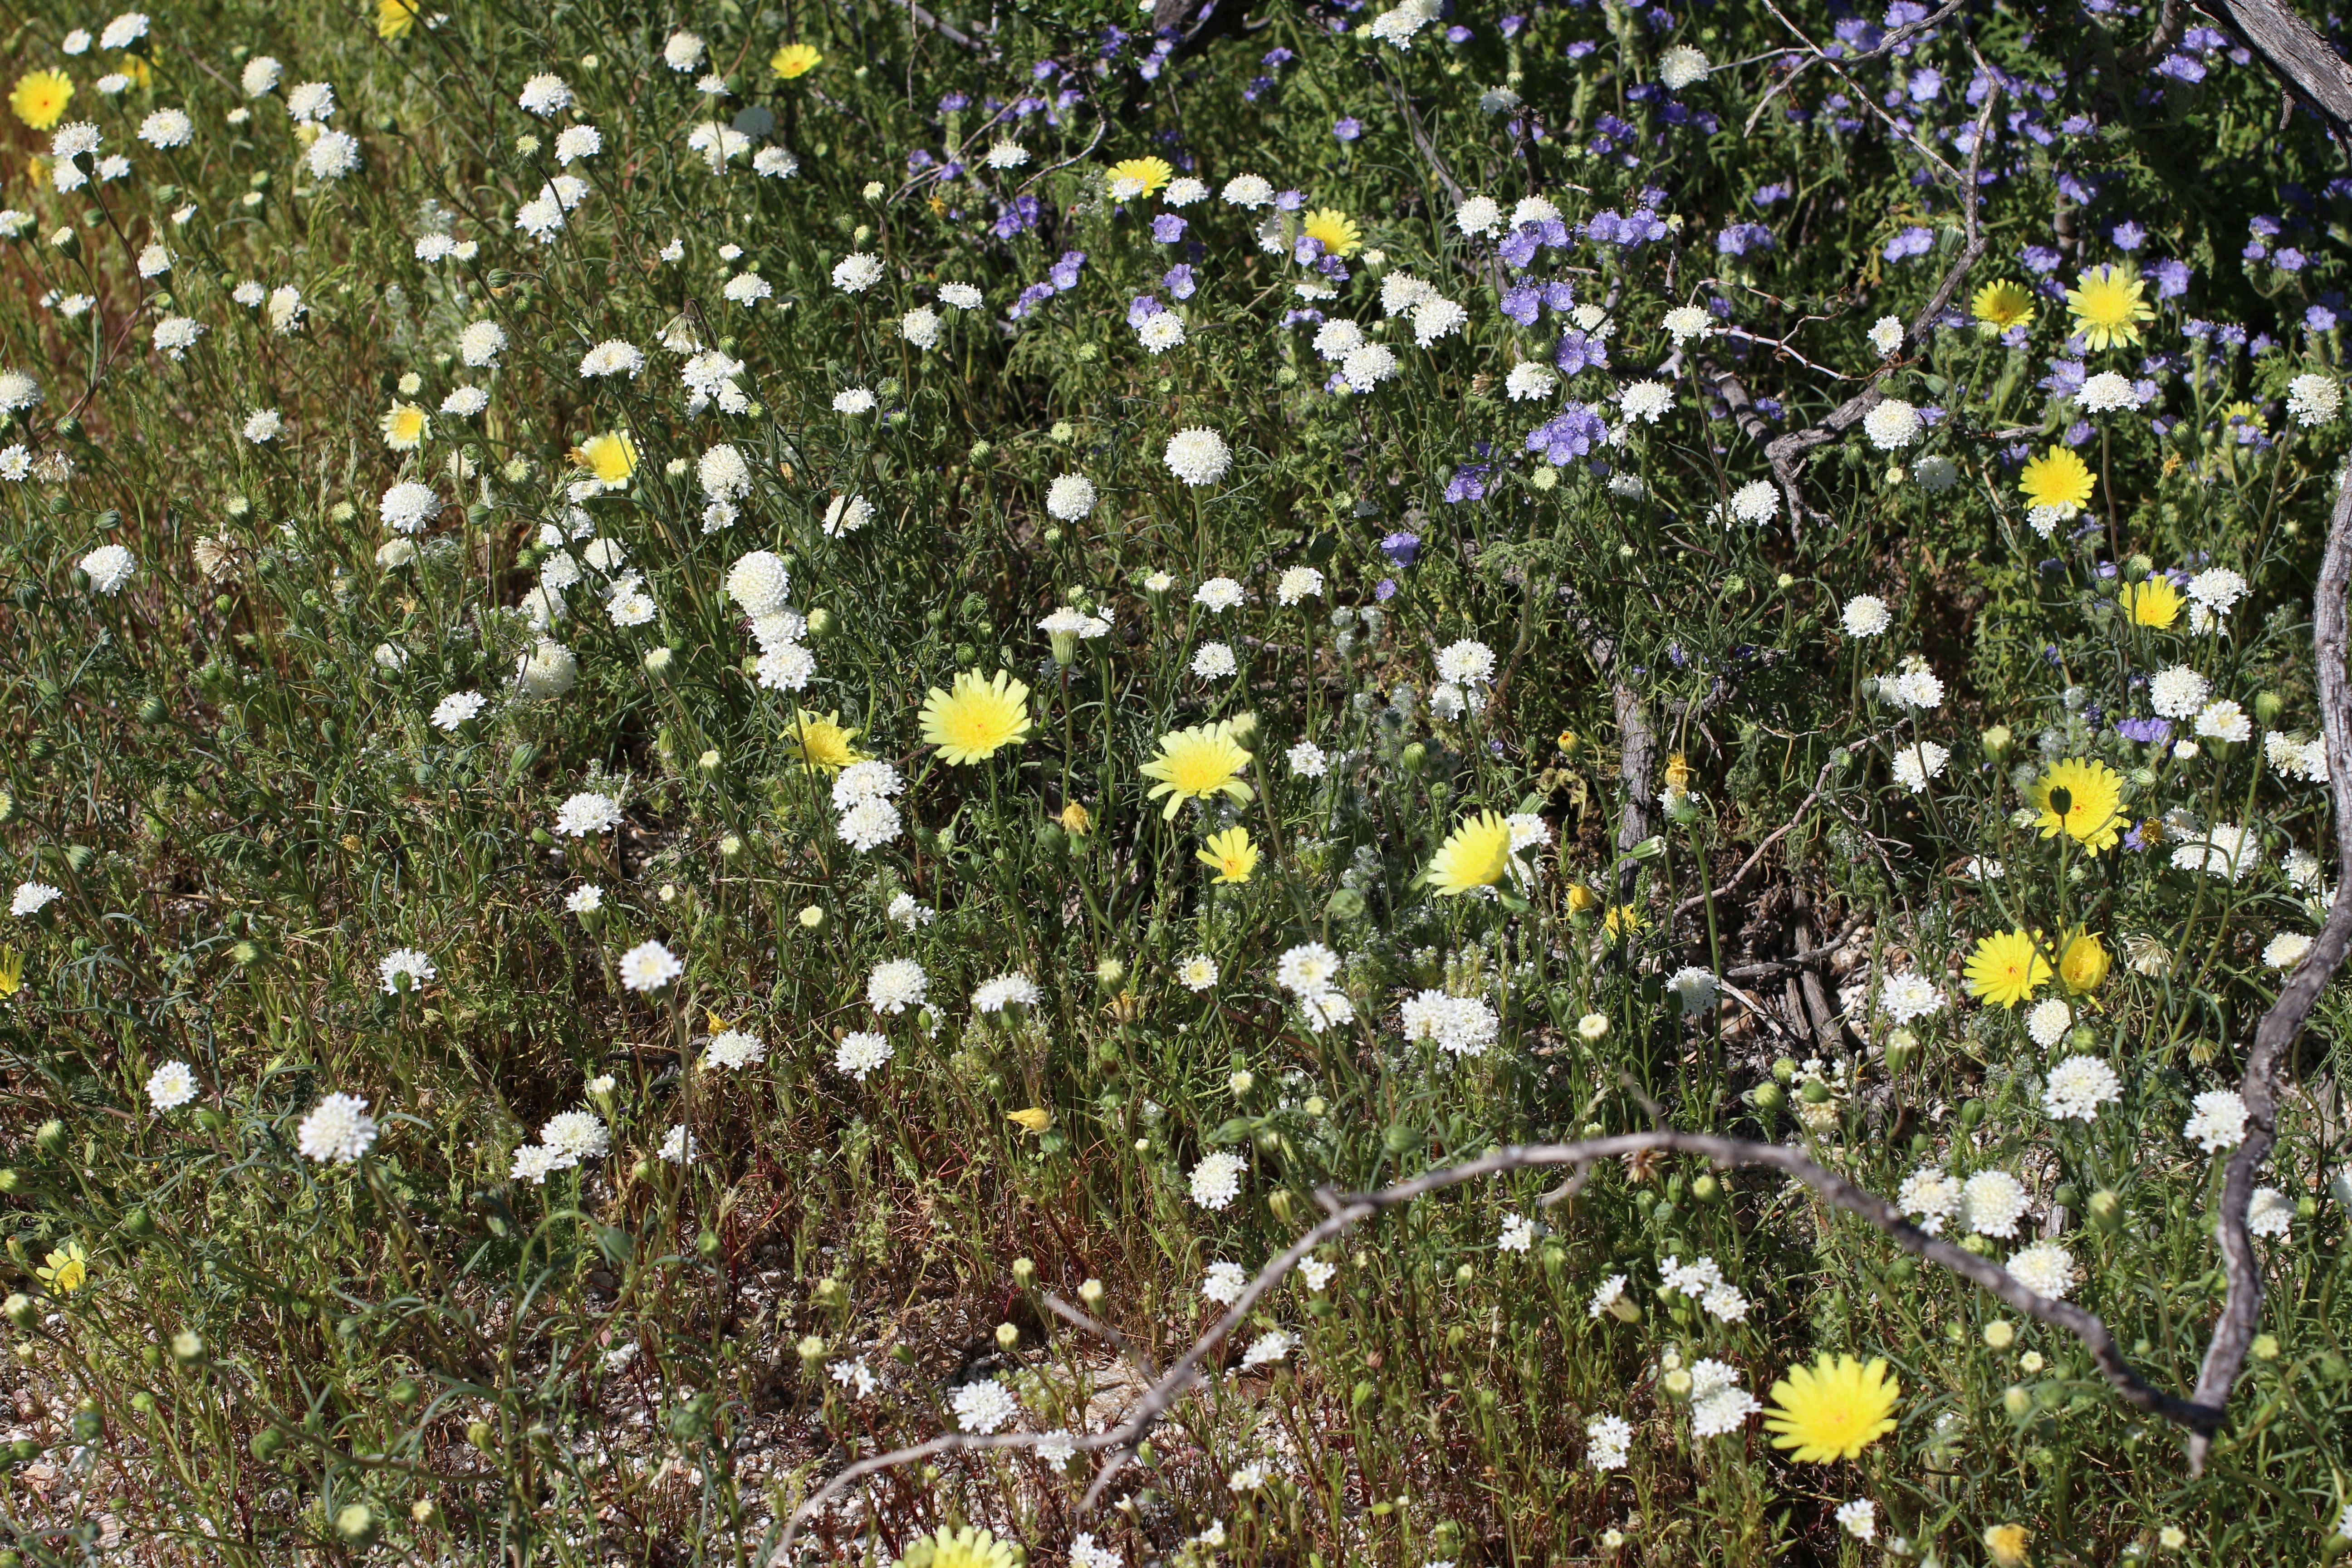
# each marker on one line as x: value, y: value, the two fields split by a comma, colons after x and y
x: 12, y: 971
x: 977, y: 719
x: 1832, y: 1409
x: 2152, y: 601
x: 2083, y: 962
x: 39, y: 98
x: 1336, y: 230
x: 2005, y: 1543
x: 2109, y: 303
x: 1678, y: 773
x: 1622, y: 920
x: 2001, y: 305
x: 1076, y: 820
x: 794, y: 60
x: 1033, y: 1120
x: 2005, y: 968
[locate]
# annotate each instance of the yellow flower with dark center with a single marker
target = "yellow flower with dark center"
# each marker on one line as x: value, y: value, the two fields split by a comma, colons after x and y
x: 39, y: 98
x: 1196, y: 764
x: 2005, y: 1543
x: 406, y: 426
x: 977, y: 718
x: 2058, y: 478
x: 611, y: 456
x: 821, y: 741
x: 67, y: 1271
x: 2152, y: 601
x: 794, y: 60
x: 1336, y: 230
x: 2109, y: 303
x: 1076, y: 820
x: 1132, y: 177
x: 1230, y: 855
x: 1832, y: 1409
x: 2083, y: 799
x: 2001, y: 305
x: 2083, y: 961
x: 2005, y: 969
x: 394, y: 18
x: 1477, y: 855
x: 965, y: 1547
x: 1622, y: 920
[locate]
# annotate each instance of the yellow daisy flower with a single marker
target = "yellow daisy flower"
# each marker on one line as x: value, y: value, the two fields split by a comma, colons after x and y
x: 821, y: 741
x: 406, y: 426
x: 1832, y: 1409
x: 1336, y: 229
x: 2083, y: 799
x: 968, y: 1547
x: 1230, y: 855
x: 67, y: 1271
x: 2152, y: 601
x: 611, y: 456
x: 977, y: 718
x: 1477, y: 855
x: 1196, y: 764
x: 2058, y: 478
x: 39, y: 98
x: 794, y: 60
x: 2083, y: 961
x: 2005, y: 969
x: 136, y: 68
x: 2109, y: 303
x: 1132, y: 177
x: 2002, y: 305
x: 394, y: 18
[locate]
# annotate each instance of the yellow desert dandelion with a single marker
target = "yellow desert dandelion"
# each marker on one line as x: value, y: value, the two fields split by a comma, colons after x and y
x: 67, y: 1269
x: 2057, y: 478
x: 967, y: 1547
x: 1335, y: 230
x: 1230, y: 855
x: 39, y: 98
x: 2083, y: 963
x: 611, y: 456
x: 2109, y: 303
x: 1832, y: 1409
x: 821, y: 741
x: 2082, y: 799
x: 406, y: 426
x: 2151, y: 602
x: 395, y: 18
x: 1195, y: 763
x: 977, y: 718
x: 1476, y: 855
x: 1132, y: 177
x: 2002, y: 305
x: 2005, y: 969
x: 794, y: 60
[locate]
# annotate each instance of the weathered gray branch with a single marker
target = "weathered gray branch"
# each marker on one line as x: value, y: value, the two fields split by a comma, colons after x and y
x: 2296, y: 54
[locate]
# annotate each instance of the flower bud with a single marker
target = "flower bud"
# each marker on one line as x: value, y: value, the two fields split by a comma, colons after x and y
x: 1007, y: 1336
x: 1024, y: 1272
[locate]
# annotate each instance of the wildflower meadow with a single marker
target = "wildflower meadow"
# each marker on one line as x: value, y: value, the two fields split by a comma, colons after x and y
x: 1254, y: 782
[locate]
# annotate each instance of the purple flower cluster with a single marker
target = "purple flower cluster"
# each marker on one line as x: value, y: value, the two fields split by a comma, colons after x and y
x: 1571, y: 433
x: 1060, y: 279
x: 1522, y: 304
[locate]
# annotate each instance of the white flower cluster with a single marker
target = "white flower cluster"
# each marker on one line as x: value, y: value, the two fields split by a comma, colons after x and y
x: 863, y: 794
x: 1464, y: 1025
x: 1217, y: 1180
x: 564, y: 1141
x: 1702, y: 1280
x: 1310, y: 972
x: 1718, y: 1404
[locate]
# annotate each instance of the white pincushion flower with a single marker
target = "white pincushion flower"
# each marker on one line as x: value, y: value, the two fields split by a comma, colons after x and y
x: 1217, y: 1180
x: 861, y: 1052
x: 1435, y: 317
x: 1680, y: 66
x: 1198, y: 455
x: 683, y: 52
x: 312, y: 102
x: 1012, y: 990
x: 171, y: 1086
x: 167, y: 127
x: 983, y: 1406
x: 1932, y: 1195
x: 856, y: 272
x: 1070, y: 497
x: 730, y: 1050
x: 1886, y: 336
x: 1214, y: 661
x: 586, y: 814
x: 1218, y: 595
x: 547, y: 671
x: 261, y: 75
x: 1908, y: 996
x: 748, y: 288
x: 1915, y: 765
x: 612, y: 357
x: 175, y: 335
x: 2047, y: 1024
x: 2216, y: 588
x: 263, y: 425
x: 1161, y: 331
x: 456, y: 709
x: 1648, y: 401
x: 1991, y: 1203
x: 405, y: 969
x: 1298, y: 583
x: 1756, y: 502
x: 334, y: 154
x: 775, y: 163
x: 1365, y: 368
x: 338, y: 1131
x: 481, y: 342
x: 109, y: 567
x: 576, y: 1135
x: 534, y: 1163
x: 1184, y: 191
x: 1007, y: 155
x: 1478, y: 217
x: 2286, y: 949
x: 1249, y: 191
x: 2224, y: 720
x: 1687, y: 321
x: 649, y: 966
x: 1892, y: 426
x: 2225, y: 850
x: 2269, y: 1213
x: 961, y: 296
x: 896, y: 985
x: 465, y: 402
x: 2106, y: 393
x: 724, y: 475
x: 578, y: 141
x: 920, y: 327
x: 1529, y: 381
x: 2045, y: 1268
x: 1336, y: 338
x: 32, y: 898
x: 2178, y: 691
x: 1935, y: 475
x: 408, y: 506
x: 2078, y: 1087
x: 2314, y: 399
x: 2217, y: 1120
x: 544, y: 95
x: 853, y: 401
x: 1866, y: 616
x: 846, y: 515
x: 1465, y: 661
